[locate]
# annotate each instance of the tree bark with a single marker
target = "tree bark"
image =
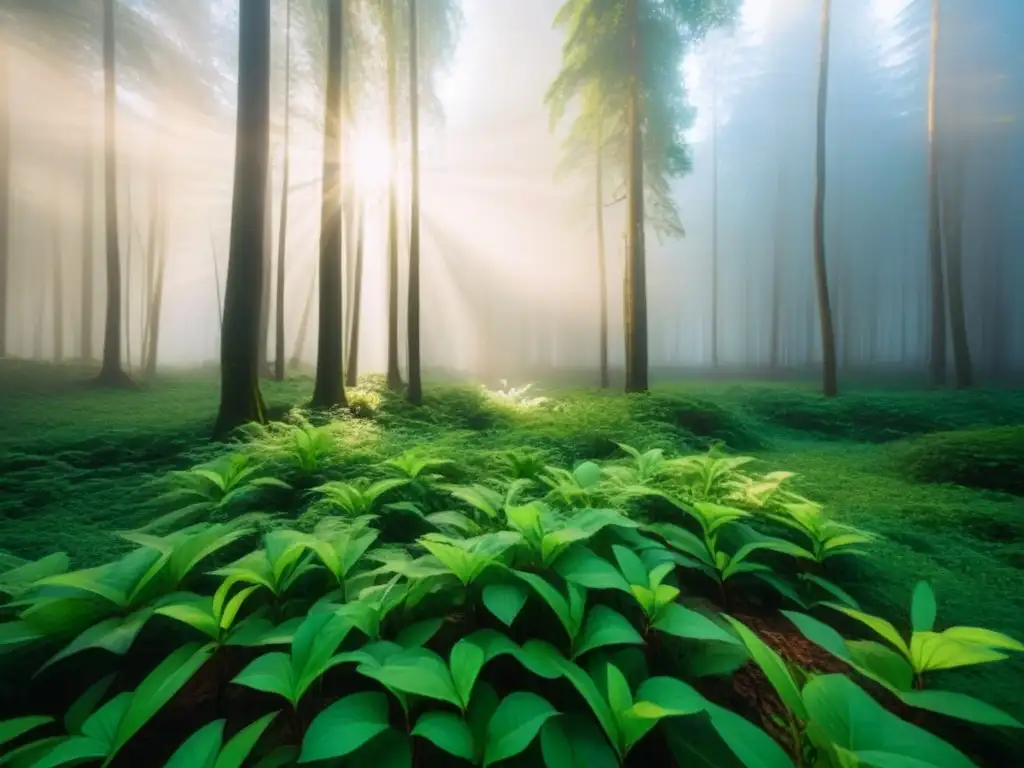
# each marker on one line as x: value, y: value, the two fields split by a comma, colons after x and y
x: 602, y: 266
x: 777, y: 277
x: 830, y: 384
x: 111, y: 373
x: 268, y: 268
x: 5, y: 183
x: 953, y: 216
x: 394, y: 378
x: 303, y: 332
x: 937, y: 350
x: 637, y: 380
x: 329, y: 389
x: 415, y: 393
x: 58, y: 295
x: 156, y: 300
x: 88, y: 222
x: 714, y: 214
x: 352, y: 369
x: 282, y: 232
x: 240, y: 398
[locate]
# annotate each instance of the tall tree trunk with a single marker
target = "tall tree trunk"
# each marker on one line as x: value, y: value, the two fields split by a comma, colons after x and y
x: 602, y: 266
x: 127, y: 288
x: 352, y: 368
x: 394, y: 380
x: 282, y: 233
x: 714, y: 213
x: 268, y: 267
x: 626, y: 338
x: 777, y: 277
x: 830, y: 383
x: 58, y: 296
x: 39, y: 325
x: 937, y: 350
x: 415, y: 373
x: 240, y: 398
x: 953, y: 216
x: 150, y: 270
x: 156, y: 299
x: 111, y: 374
x: 303, y: 332
x: 637, y: 268
x: 5, y: 182
x: 88, y: 222
x: 329, y: 390
x: 216, y: 280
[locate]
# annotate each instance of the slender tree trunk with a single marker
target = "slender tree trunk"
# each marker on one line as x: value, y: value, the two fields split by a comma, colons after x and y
x: 714, y: 213
x: 394, y: 380
x: 57, y: 268
x: 953, y: 215
x: 282, y: 233
x: 352, y: 368
x: 268, y: 270
x: 41, y: 306
x: 602, y: 266
x: 5, y: 183
x: 415, y: 373
x: 156, y: 301
x: 828, y: 342
x: 937, y: 350
x: 307, y: 313
x: 216, y: 280
x: 637, y: 269
x: 329, y: 390
x: 626, y: 294
x: 88, y: 222
x: 777, y: 277
x: 240, y: 398
x: 128, y: 253
x: 111, y: 374
x: 150, y: 262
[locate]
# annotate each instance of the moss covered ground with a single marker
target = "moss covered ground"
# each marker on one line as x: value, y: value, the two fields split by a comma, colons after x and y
x: 932, y: 473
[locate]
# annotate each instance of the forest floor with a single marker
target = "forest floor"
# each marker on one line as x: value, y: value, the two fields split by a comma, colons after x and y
x: 78, y: 464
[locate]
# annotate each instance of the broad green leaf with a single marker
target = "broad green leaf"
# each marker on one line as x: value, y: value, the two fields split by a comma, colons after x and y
x: 416, y: 671
x: 316, y: 640
x: 573, y: 741
x: 541, y: 658
x: 345, y: 726
x: 86, y: 704
x: 699, y: 743
x: 586, y: 687
x: 960, y: 706
x: 880, y: 626
x: 241, y: 744
x: 631, y: 565
x: 12, y: 729
x: 466, y: 660
x: 587, y: 474
x: 985, y: 637
x: 102, y: 725
x: 555, y: 601
x: 234, y: 605
x: 28, y: 755
x: 505, y: 601
x: 881, y: 663
x: 270, y: 673
x: 447, y: 731
x: 200, y: 750
x: 391, y: 749
x: 482, y: 707
x: 603, y: 627
x: 820, y: 634
x: 673, y: 696
x: 581, y: 566
x: 850, y: 719
x: 159, y: 688
x: 194, y: 610
x: 419, y: 634
x: 514, y: 725
x: 682, y: 540
x: 931, y: 651
x: 72, y: 751
x: 773, y: 667
x: 674, y: 619
x: 839, y: 594
x: 115, y: 634
x: 620, y: 698
x: 922, y: 608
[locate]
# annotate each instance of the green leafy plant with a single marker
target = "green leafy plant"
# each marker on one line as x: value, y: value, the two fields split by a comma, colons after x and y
x: 358, y: 498
x: 582, y: 487
x: 221, y: 488
x: 828, y: 538
x: 206, y: 748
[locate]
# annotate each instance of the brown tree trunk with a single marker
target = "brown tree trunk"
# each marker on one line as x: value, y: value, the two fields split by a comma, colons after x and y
x: 329, y: 389
x: 156, y: 299
x: 830, y: 384
x: 282, y: 234
x: 602, y: 266
x: 714, y: 214
x: 777, y: 277
x: 415, y: 392
x: 268, y: 269
x: 953, y: 216
x: 303, y: 332
x: 111, y: 374
x: 5, y: 183
x: 937, y: 351
x: 58, y: 296
x: 88, y: 222
x: 352, y: 369
x: 636, y: 380
x: 394, y: 378
x: 240, y: 398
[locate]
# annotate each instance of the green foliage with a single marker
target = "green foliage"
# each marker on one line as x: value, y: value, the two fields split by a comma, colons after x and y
x: 982, y: 458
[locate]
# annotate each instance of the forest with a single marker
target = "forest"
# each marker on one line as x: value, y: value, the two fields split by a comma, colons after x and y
x: 407, y: 383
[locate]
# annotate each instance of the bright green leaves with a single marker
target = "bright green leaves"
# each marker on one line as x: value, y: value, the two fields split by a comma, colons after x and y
x: 845, y: 719
x: 467, y: 559
x: 774, y: 669
x: 604, y: 627
x: 827, y: 537
x: 674, y: 619
x: 514, y: 725
x: 568, y: 609
x: 447, y: 731
x: 345, y: 726
x: 581, y: 566
x: 505, y: 601
x: 206, y: 748
x: 290, y: 675
x: 358, y: 498
x: 19, y: 726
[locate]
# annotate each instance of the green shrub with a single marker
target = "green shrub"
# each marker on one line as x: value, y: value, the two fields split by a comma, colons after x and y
x: 982, y: 458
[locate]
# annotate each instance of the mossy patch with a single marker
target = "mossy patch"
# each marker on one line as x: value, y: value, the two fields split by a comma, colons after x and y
x: 991, y: 458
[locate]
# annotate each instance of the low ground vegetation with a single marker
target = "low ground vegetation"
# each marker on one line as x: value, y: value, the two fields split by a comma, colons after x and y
x: 505, y: 577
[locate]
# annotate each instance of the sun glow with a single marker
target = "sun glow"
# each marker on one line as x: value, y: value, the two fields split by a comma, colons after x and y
x: 371, y: 161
